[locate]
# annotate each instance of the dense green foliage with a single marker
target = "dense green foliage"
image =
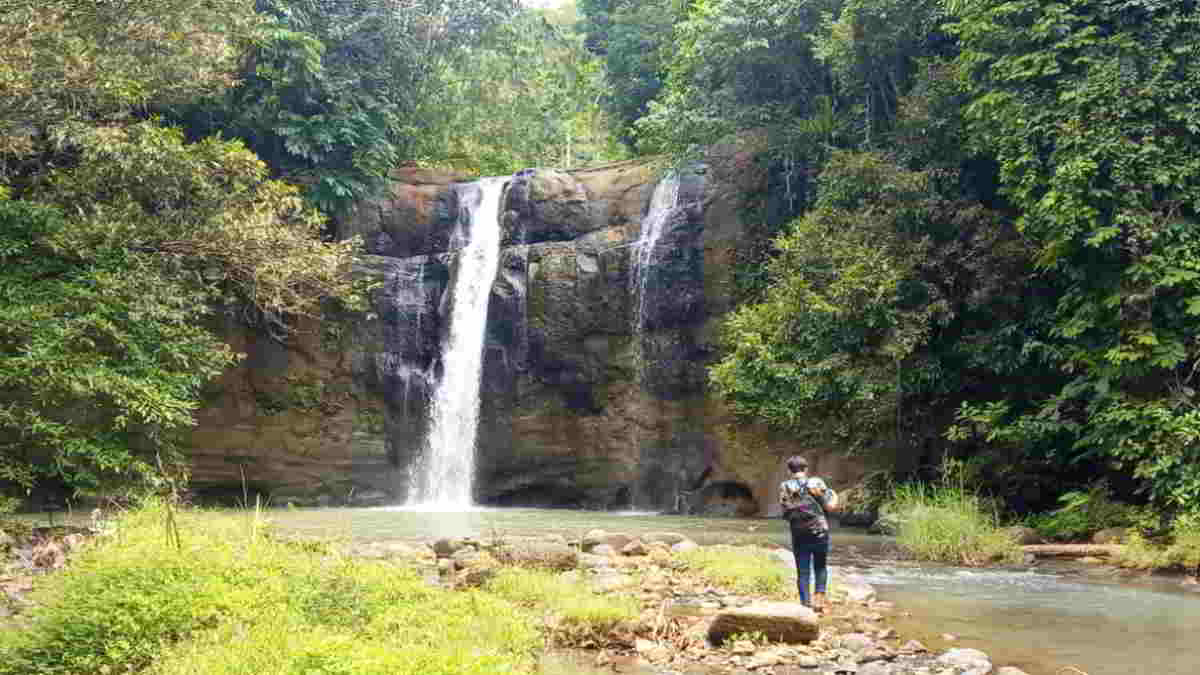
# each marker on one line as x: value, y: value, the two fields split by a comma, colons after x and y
x: 631, y: 36
x: 119, y: 237
x: 162, y: 163
x: 528, y: 96
x: 997, y: 258
x: 1082, y: 513
x: 232, y: 599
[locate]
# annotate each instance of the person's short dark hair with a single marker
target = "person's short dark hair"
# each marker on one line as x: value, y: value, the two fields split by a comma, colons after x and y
x: 796, y: 464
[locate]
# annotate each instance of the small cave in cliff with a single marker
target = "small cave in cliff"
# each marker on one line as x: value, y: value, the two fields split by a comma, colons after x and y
x: 725, y: 498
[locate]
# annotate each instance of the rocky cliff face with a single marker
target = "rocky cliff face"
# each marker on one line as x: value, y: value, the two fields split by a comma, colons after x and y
x: 581, y: 408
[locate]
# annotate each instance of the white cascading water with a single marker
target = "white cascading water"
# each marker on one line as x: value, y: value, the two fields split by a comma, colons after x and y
x: 662, y: 202
x: 444, y: 477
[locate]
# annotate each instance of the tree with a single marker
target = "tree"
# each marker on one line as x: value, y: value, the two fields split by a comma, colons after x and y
x: 1091, y: 111
x: 118, y: 238
x: 331, y: 93
x: 528, y: 95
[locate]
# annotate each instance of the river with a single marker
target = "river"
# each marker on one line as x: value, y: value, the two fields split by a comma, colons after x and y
x: 1041, y: 618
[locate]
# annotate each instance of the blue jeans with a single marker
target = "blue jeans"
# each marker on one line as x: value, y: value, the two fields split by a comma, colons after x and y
x: 812, y: 556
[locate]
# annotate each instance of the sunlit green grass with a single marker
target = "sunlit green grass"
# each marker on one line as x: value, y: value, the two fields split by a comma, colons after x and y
x: 233, y: 600
x: 947, y: 522
x: 746, y: 570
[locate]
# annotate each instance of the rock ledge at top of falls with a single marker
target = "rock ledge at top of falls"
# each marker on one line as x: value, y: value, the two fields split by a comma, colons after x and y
x: 418, y: 212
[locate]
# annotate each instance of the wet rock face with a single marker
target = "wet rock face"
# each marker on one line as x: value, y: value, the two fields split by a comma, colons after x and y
x: 594, y: 375
x: 415, y: 215
x: 543, y: 205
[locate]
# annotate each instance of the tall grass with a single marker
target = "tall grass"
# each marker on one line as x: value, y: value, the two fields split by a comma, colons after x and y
x: 231, y: 600
x: 947, y: 521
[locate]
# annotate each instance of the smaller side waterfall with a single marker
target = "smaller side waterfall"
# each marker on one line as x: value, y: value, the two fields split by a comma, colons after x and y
x: 444, y: 476
x: 662, y: 202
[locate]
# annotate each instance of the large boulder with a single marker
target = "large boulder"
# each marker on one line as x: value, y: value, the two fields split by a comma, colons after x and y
x: 538, y: 554
x: 545, y: 205
x: 779, y: 621
x: 968, y: 661
x: 414, y: 215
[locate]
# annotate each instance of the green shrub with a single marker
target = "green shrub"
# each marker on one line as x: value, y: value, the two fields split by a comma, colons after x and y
x: 1083, y: 513
x: 743, y: 570
x: 948, y: 522
x: 230, y: 600
x: 1182, y: 550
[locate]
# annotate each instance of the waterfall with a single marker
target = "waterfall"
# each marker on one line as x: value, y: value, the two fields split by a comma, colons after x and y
x: 662, y: 202
x: 446, y: 472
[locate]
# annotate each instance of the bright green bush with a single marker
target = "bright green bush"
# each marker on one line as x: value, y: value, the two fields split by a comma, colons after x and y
x: 1182, y: 551
x: 948, y: 522
x: 742, y: 570
x: 231, y: 600
x: 1082, y: 514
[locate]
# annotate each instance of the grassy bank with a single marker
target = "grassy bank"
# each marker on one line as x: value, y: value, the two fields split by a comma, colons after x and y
x: 225, y: 598
x: 947, y: 521
x: 1179, y: 550
x: 741, y: 570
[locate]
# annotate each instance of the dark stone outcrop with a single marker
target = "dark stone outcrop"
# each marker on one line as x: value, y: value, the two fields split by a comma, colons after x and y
x: 584, y: 404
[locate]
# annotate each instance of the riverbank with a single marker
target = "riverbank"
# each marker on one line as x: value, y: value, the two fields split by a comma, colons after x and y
x: 223, y: 592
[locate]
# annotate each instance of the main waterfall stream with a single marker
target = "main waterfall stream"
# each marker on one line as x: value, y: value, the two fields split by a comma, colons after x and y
x: 443, y: 477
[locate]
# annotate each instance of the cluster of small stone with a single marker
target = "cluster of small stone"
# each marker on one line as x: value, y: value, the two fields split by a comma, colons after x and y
x: 689, y: 627
x: 27, y: 554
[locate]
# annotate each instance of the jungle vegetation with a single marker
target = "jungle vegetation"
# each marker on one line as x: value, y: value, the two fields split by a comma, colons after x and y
x: 166, y: 166
x: 994, y: 257
x: 987, y: 251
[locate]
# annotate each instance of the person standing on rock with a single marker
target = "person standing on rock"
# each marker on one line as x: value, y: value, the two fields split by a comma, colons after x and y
x: 805, y: 502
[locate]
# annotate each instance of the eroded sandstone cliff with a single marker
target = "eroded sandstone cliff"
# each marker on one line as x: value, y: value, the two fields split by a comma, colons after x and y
x: 584, y: 404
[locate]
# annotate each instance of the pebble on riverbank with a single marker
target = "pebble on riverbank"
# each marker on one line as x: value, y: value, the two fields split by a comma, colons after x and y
x: 688, y: 624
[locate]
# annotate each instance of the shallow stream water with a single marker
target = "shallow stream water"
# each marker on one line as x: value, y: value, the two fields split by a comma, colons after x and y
x: 1042, y: 617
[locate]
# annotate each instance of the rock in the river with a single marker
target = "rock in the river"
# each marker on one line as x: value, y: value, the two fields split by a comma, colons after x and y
x: 913, y: 647
x: 1111, y: 535
x: 589, y: 561
x: 857, y: 591
x: 603, y: 550
x: 856, y: 642
x: 635, y: 547
x: 684, y: 546
x: 539, y: 554
x: 968, y: 660
x: 876, y: 668
x: 601, y: 538
x: 780, y: 621
x: 448, y: 546
x: 668, y: 538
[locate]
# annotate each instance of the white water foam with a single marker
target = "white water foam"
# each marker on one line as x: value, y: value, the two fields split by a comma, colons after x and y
x: 662, y: 202
x: 444, y: 477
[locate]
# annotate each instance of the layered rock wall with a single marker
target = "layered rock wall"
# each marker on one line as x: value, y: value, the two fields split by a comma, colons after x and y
x: 580, y: 407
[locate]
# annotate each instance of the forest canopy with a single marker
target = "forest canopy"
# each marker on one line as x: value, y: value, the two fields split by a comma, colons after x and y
x: 164, y: 163
x: 996, y: 258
